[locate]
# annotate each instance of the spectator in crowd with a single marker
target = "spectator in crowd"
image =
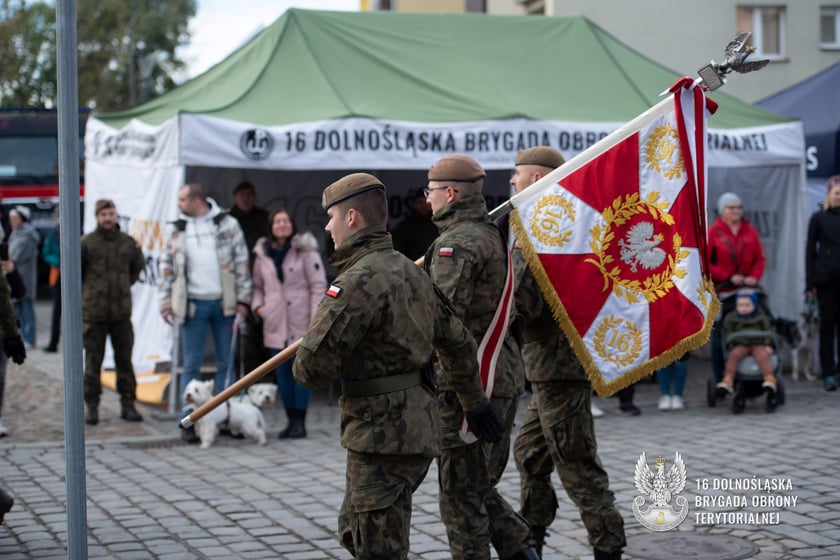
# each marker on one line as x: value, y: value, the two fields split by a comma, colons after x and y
x: 11, y: 346
x: 250, y: 352
x: 822, y: 279
x: 413, y: 235
x: 671, y: 381
x: 252, y: 219
x: 289, y: 282
x: 557, y: 431
x: 23, y: 251
x: 111, y: 263
x: 52, y: 256
x: 748, y: 318
x: 736, y: 259
x: 469, y: 262
x: 204, y: 282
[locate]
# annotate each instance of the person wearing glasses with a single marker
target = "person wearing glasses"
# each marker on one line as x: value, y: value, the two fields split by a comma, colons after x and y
x: 736, y: 260
x: 822, y: 279
x: 469, y: 263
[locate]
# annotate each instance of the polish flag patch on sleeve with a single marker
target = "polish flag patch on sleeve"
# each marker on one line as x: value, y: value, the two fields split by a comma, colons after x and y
x: 446, y: 251
x: 333, y: 291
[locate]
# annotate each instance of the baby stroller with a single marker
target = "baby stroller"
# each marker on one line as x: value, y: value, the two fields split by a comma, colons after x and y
x: 748, y: 378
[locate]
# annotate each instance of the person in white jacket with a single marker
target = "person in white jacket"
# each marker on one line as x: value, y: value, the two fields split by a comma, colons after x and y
x: 289, y: 282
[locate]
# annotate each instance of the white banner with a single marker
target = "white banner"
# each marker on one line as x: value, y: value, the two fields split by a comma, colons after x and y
x: 146, y: 199
x: 359, y: 143
x: 135, y: 145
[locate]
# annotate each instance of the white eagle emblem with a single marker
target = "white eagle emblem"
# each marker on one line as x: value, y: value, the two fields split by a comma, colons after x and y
x: 657, y: 490
x: 641, y: 247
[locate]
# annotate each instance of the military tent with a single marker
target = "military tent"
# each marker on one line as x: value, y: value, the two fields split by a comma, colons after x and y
x: 319, y: 94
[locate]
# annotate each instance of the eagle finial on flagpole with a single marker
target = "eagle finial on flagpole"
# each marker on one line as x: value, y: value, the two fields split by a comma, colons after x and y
x: 735, y: 59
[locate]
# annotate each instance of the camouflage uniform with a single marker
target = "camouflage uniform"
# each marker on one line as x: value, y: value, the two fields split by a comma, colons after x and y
x: 111, y: 263
x: 377, y: 327
x: 557, y: 430
x: 472, y: 276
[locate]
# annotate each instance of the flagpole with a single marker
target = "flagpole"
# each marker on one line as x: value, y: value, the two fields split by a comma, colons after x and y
x: 593, y: 151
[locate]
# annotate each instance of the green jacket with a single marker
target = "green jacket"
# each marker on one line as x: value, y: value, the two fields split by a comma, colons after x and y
x: 472, y: 276
x: 8, y: 324
x: 757, y: 321
x: 111, y: 263
x: 383, y: 317
x: 547, y: 354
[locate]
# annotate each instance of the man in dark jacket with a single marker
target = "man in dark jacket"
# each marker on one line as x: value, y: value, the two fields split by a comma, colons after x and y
x: 111, y: 263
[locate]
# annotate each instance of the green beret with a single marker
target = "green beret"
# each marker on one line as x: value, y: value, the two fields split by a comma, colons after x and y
x: 456, y: 167
x: 348, y: 187
x: 545, y: 156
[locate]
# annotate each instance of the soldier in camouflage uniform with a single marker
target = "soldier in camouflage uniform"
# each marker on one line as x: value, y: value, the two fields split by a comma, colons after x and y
x: 111, y: 263
x: 377, y: 327
x: 557, y: 430
x: 468, y: 262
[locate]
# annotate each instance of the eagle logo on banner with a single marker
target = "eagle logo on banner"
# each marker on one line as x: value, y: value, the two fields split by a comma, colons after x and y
x: 617, y: 242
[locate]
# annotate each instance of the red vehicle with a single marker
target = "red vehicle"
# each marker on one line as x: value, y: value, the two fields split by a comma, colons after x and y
x: 29, y: 163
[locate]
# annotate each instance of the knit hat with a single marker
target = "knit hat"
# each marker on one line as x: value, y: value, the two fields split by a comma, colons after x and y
x: 726, y: 199
x: 546, y: 156
x: 102, y: 204
x: 456, y: 167
x: 244, y: 186
x: 348, y: 187
x: 749, y: 294
x: 23, y: 212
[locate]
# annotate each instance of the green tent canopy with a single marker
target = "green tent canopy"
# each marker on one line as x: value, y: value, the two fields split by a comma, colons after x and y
x: 316, y: 65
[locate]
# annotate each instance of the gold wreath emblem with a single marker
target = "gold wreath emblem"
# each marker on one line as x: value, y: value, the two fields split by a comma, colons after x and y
x: 654, y: 286
x: 618, y: 341
x: 662, y: 152
x: 547, y: 223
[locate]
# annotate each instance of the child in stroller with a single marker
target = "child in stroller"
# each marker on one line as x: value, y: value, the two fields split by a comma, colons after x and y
x: 748, y: 333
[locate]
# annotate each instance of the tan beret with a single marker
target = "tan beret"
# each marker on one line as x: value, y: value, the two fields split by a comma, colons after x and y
x: 102, y: 204
x: 456, y: 167
x: 348, y: 187
x: 545, y: 156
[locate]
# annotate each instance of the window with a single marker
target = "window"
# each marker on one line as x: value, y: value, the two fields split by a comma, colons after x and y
x: 767, y: 27
x: 830, y: 27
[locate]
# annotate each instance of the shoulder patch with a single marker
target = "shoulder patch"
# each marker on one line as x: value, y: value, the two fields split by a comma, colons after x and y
x: 333, y: 291
x: 446, y: 251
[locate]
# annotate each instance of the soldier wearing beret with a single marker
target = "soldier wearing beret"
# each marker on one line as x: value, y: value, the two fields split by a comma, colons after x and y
x: 111, y: 263
x: 560, y: 406
x: 377, y: 327
x: 469, y: 263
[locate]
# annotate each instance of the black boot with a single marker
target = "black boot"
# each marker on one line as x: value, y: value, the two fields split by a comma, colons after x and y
x: 291, y: 414
x: 6, y: 503
x: 601, y: 555
x: 539, y: 534
x: 297, y: 429
x: 130, y: 413
x: 92, y: 415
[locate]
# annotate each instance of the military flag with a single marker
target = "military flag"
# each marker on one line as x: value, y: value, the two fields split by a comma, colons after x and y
x: 616, y: 238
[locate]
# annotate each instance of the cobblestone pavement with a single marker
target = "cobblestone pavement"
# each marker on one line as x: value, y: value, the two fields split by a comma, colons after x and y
x: 150, y: 496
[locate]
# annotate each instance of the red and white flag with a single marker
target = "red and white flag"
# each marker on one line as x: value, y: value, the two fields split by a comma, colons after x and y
x: 616, y: 238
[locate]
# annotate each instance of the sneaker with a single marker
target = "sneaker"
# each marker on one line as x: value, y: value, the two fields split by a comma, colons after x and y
x: 677, y: 403
x: 664, y: 402
x: 830, y: 383
x: 722, y: 390
x: 769, y: 387
x: 596, y: 411
x: 3, y: 431
x: 630, y: 409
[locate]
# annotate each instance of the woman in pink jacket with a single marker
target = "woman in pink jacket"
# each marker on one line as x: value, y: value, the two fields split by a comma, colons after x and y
x: 289, y: 281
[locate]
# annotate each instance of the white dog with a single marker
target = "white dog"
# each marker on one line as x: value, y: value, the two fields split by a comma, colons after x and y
x: 239, y: 417
x: 261, y: 395
x: 803, y: 352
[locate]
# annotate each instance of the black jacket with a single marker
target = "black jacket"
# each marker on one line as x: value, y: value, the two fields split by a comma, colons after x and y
x: 822, y: 250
